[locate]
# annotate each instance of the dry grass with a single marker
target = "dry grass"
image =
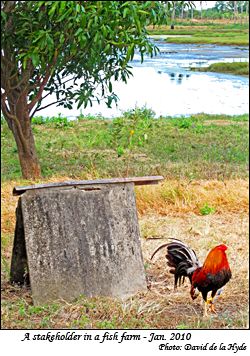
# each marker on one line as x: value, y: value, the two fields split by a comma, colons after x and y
x: 170, y: 197
x: 167, y: 210
x: 173, y: 197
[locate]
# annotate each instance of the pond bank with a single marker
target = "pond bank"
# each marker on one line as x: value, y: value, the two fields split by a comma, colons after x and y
x: 222, y: 34
x: 236, y: 68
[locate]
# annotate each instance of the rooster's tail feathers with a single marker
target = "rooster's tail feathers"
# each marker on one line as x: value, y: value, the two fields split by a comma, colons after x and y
x: 181, y: 259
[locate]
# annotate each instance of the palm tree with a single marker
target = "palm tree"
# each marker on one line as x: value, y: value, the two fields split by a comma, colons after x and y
x: 182, y: 10
x: 235, y: 10
x: 241, y: 7
x: 173, y: 15
x: 173, y: 12
x: 192, y: 13
x: 201, y: 3
x: 201, y: 7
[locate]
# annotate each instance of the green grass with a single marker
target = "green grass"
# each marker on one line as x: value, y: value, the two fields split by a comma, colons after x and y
x: 237, y: 68
x: 220, y: 40
x: 54, y: 121
x: 206, y: 210
x: 210, y: 24
x: 107, y: 313
x: 137, y: 144
x: 222, y: 34
x: 84, y: 313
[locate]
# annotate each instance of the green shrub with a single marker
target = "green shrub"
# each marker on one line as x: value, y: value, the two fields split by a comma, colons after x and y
x: 132, y: 129
x: 39, y: 120
x: 206, y: 210
x: 183, y: 123
x: 55, y: 121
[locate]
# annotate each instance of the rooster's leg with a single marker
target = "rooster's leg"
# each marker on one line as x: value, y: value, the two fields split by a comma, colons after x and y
x: 204, y: 296
x: 214, y: 296
x: 205, y: 310
x: 210, y: 301
x: 213, y: 308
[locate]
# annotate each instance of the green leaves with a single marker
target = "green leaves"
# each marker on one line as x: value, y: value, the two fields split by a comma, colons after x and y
x: 206, y: 210
x: 110, y: 87
x: 53, y: 9
x: 35, y: 59
x: 49, y: 42
x: 89, y: 41
x: 3, y: 16
x: 81, y: 100
x: 80, y: 30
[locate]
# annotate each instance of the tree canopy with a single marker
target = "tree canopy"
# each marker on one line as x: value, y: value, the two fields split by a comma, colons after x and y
x: 73, y: 49
x: 50, y: 45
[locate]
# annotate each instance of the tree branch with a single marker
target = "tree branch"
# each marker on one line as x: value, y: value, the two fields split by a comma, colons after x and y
x: 24, y: 78
x: 40, y: 91
x: 45, y: 96
x: 5, y: 109
x: 43, y: 83
x: 46, y: 106
x: 41, y: 98
x: 66, y: 81
x: 9, y: 6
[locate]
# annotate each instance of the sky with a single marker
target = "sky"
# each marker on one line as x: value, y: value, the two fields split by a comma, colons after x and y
x: 205, y: 4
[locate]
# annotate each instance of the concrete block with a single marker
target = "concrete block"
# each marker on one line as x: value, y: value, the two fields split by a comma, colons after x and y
x: 81, y: 242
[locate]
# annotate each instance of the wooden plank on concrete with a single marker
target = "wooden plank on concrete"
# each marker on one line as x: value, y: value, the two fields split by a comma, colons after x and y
x: 136, y: 180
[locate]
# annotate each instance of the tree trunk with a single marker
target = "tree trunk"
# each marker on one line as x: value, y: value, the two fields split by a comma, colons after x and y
x: 235, y: 11
x: 29, y: 163
x: 173, y: 13
x: 192, y: 13
x: 182, y: 11
x: 19, y: 122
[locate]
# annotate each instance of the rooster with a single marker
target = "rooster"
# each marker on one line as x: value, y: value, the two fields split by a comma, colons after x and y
x: 209, y: 277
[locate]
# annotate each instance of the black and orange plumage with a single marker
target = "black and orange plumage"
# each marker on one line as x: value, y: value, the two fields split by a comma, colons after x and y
x: 209, y: 277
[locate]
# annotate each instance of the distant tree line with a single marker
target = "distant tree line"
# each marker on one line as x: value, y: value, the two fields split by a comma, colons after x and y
x: 221, y: 10
x: 230, y: 9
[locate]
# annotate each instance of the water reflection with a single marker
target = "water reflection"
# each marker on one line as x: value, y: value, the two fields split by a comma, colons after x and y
x: 172, y: 76
x: 166, y: 84
x: 178, y: 77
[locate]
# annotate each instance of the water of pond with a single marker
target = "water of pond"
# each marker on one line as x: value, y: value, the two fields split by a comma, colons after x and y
x: 166, y: 84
